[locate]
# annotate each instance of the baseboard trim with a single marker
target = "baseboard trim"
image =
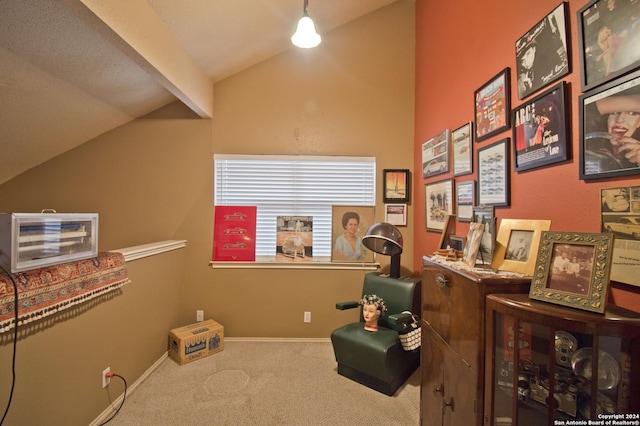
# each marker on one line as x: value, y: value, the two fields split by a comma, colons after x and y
x: 279, y: 339
x: 131, y: 388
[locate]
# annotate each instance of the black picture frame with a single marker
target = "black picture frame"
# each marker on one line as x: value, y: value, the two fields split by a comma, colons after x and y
x: 396, y: 185
x: 542, y: 53
x: 602, y: 116
x: 598, y: 66
x: 465, y: 200
x: 462, y: 149
x: 492, y: 106
x: 435, y: 154
x: 493, y: 174
x: 540, y: 132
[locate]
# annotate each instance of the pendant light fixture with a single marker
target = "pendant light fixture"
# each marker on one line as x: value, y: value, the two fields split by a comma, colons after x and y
x: 306, y: 35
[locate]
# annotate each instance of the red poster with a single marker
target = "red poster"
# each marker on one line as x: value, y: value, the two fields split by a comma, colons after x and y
x: 234, y: 233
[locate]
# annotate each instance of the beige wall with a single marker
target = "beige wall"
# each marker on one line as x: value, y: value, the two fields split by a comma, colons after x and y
x: 152, y: 180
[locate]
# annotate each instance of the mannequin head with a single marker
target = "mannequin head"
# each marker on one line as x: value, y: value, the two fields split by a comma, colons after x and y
x: 373, y: 308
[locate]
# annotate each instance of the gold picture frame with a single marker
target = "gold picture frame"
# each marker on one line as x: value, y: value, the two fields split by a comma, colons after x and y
x: 583, y: 281
x: 517, y: 245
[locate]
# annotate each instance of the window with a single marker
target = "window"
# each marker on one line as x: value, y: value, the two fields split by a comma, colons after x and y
x: 291, y: 185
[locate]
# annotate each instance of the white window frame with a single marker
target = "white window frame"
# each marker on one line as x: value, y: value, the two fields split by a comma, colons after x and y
x: 263, y: 181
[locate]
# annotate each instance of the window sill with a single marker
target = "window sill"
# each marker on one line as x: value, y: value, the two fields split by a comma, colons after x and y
x: 269, y: 262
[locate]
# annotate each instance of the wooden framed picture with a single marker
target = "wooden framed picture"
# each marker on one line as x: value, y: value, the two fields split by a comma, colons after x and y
x: 608, y: 39
x: 542, y: 54
x: 435, y: 155
x: 472, y: 246
x: 493, y: 174
x: 486, y: 216
x: 348, y: 225
x: 572, y: 269
x: 517, y: 245
x: 438, y: 199
x: 465, y: 200
x: 610, y: 129
x: 447, y: 231
x: 620, y: 212
x: 395, y: 184
x: 462, y: 150
x: 395, y: 214
x: 540, y: 134
x: 492, y: 106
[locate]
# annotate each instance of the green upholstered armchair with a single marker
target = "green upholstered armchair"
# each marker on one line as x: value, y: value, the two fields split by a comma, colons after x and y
x: 377, y: 359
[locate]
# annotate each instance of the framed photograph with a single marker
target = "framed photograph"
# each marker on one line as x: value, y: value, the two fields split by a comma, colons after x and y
x: 542, y: 54
x: 540, y: 133
x: 572, y: 269
x: 492, y: 106
x: 348, y: 226
x: 396, y: 214
x: 493, y: 174
x: 457, y: 242
x: 486, y: 216
x: 462, y: 150
x: 620, y: 211
x: 608, y: 36
x: 438, y: 199
x: 465, y: 200
x: 395, y: 186
x: 447, y: 231
x: 472, y: 246
x: 517, y: 245
x: 609, y: 129
x: 435, y: 155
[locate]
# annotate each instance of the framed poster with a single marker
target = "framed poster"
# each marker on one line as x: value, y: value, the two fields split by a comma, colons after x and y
x: 294, y: 238
x: 573, y: 270
x: 492, y: 106
x: 462, y: 150
x: 395, y: 184
x: 620, y: 211
x: 493, y: 174
x: 540, y: 135
x: 348, y: 225
x: 542, y: 54
x: 465, y: 200
x: 438, y: 199
x: 435, y: 155
x: 234, y: 233
x: 610, y: 129
x: 396, y: 214
x: 608, y: 39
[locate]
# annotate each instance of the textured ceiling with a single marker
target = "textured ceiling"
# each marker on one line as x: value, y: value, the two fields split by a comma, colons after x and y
x: 74, y: 69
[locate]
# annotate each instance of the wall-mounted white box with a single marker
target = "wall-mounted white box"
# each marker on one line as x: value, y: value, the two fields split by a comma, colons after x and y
x: 35, y: 240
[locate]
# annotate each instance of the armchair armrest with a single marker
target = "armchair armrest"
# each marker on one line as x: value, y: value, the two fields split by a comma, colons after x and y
x: 399, y: 321
x: 346, y: 305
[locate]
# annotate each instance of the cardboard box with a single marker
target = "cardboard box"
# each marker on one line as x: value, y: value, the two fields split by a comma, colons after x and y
x: 196, y: 341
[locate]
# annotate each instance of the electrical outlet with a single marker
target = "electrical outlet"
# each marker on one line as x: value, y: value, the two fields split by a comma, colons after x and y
x: 307, y: 316
x: 199, y: 315
x: 105, y: 379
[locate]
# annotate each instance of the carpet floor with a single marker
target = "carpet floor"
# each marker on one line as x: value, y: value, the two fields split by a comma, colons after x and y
x: 265, y: 383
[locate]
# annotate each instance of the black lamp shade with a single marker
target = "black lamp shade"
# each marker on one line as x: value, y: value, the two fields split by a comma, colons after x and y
x: 384, y: 238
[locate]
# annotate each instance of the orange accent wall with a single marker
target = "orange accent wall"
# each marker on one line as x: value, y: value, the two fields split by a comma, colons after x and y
x: 460, y: 45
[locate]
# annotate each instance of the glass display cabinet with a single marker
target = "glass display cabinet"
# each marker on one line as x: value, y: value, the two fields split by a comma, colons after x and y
x: 548, y: 364
x: 35, y: 240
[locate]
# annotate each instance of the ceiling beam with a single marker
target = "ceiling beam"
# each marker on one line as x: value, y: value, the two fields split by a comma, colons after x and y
x: 156, y: 51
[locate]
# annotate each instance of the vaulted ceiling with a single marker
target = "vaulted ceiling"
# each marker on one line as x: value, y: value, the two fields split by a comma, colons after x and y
x: 71, y: 70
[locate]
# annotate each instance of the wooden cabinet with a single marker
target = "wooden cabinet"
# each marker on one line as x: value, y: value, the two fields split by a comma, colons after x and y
x: 560, y: 352
x: 453, y: 315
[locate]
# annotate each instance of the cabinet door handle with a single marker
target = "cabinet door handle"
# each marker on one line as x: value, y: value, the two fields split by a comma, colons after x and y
x: 441, y: 280
x: 438, y: 390
x: 446, y: 404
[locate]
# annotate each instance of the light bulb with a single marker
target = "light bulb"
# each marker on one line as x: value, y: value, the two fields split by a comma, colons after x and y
x: 306, y: 35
